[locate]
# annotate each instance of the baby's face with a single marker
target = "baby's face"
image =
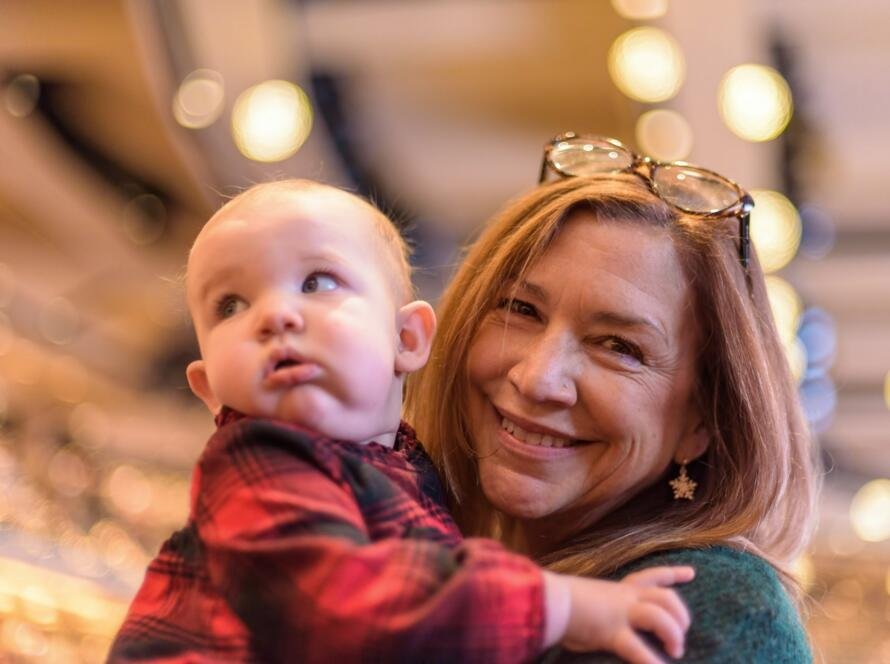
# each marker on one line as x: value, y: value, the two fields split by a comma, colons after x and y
x: 295, y: 314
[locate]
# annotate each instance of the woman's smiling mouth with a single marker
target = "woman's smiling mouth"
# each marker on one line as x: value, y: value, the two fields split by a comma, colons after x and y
x: 541, y: 438
x: 530, y: 438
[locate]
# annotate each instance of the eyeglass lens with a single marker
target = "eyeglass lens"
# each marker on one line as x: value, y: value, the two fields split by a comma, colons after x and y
x: 580, y: 157
x: 692, y: 189
x: 688, y: 188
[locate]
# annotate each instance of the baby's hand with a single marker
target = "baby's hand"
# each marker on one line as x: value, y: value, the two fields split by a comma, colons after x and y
x: 605, y: 615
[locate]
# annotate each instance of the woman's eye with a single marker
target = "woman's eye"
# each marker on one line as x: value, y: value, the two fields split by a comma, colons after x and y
x: 623, y: 347
x: 229, y: 305
x: 319, y: 282
x: 518, y: 307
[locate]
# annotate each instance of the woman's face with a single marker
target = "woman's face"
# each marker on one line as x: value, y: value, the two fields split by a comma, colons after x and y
x: 581, y: 392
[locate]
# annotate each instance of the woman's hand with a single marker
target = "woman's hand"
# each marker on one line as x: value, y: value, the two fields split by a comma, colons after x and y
x: 593, y: 614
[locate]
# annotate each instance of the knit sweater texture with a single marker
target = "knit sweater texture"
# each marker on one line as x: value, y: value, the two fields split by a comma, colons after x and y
x: 740, y: 611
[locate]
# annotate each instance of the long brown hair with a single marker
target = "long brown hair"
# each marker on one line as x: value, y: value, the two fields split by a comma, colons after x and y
x: 758, y: 478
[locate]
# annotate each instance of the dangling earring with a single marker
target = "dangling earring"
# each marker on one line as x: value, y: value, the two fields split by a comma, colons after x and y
x: 683, y: 485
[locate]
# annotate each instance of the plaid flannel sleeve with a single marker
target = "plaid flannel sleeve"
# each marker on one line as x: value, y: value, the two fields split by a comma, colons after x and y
x: 288, y: 544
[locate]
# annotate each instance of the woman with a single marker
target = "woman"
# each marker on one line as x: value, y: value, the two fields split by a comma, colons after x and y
x: 608, y: 392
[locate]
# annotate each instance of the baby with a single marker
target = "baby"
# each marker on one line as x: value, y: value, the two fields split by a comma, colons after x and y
x: 318, y: 529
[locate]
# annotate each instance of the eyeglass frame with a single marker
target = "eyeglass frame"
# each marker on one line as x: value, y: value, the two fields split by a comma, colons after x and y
x: 741, y: 209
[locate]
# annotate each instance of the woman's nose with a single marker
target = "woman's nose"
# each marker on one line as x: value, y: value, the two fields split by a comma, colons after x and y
x: 545, y: 371
x: 279, y: 315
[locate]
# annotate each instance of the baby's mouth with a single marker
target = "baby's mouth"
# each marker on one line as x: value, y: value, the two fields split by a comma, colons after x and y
x: 286, y: 369
x: 283, y: 364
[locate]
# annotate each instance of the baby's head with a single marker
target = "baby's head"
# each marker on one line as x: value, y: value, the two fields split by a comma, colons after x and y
x: 302, y: 303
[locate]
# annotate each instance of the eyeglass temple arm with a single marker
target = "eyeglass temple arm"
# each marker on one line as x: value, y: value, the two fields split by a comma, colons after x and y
x: 745, y: 230
x: 543, y: 168
x: 745, y: 239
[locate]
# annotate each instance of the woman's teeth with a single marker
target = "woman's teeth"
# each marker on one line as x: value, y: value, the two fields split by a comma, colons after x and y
x: 542, y: 440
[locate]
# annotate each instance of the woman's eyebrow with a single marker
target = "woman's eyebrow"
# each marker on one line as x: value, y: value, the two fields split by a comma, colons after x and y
x: 533, y: 289
x: 609, y: 317
x: 627, y: 321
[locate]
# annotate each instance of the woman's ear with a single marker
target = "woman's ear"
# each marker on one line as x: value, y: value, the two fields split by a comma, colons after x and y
x: 694, y: 443
x: 416, y: 322
x: 196, y: 374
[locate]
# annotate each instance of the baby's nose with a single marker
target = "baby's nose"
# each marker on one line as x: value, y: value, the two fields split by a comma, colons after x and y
x: 280, y: 316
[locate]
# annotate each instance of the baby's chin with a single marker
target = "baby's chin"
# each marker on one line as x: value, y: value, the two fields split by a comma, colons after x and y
x: 297, y: 406
x: 315, y: 410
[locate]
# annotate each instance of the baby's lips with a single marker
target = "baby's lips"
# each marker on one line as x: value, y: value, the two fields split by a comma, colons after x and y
x: 294, y: 374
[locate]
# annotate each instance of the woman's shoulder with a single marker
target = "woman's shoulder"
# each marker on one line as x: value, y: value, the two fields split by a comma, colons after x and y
x: 740, y: 610
x: 717, y: 562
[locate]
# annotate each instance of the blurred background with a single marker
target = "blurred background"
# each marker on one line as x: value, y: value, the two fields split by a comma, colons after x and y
x: 125, y: 123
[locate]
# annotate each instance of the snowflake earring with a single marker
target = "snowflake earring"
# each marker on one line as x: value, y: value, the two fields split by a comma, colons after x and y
x: 683, y: 485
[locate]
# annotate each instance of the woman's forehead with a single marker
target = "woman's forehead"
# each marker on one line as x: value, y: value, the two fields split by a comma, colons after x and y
x: 617, y: 265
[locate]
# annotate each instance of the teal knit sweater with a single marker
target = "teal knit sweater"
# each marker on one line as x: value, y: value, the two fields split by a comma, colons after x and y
x: 740, y: 612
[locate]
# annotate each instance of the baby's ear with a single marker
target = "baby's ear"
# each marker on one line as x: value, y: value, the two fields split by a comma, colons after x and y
x: 416, y: 323
x: 196, y: 374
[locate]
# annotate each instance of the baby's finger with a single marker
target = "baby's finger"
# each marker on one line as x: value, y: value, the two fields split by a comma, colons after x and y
x: 652, y: 618
x: 630, y: 647
x: 661, y: 576
x: 671, y: 602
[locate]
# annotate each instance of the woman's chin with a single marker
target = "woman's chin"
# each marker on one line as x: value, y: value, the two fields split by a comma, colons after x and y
x: 517, y: 495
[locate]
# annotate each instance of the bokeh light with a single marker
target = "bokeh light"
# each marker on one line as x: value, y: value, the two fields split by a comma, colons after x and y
x: 78, y: 552
x: 22, y: 638
x: 664, y: 135
x: 59, y: 321
x: 171, y: 500
x: 775, y: 229
x: 818, y: 234
x: 21, y: 95
x: 271, y: 121
x: 819, y: 399
x: 804, y: 571
x: 647, y: 64
x: 68, y: 473
x: 870, y: 511
x: 796, y: 353
x: 128, y: 490
x: 118, y: 549
x: 640, y: 10
x: 39, y: 605
x: 198, y: 102
x: 786, y: 306
x: 818, y: 334
x: 755, y: 102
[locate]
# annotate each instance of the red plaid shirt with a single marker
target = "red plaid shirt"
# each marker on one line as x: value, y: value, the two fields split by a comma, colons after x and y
x: 303, y: 549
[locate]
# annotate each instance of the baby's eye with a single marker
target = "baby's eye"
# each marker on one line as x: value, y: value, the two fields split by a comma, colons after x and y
x: 229, y: 305
x: 318, y: 282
